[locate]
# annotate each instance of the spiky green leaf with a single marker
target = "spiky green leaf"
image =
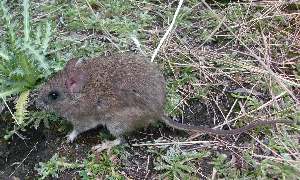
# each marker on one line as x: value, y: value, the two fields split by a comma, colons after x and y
x: 21, y: 108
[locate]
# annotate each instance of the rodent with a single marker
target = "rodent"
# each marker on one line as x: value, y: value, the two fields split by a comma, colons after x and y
x: 123, y: 92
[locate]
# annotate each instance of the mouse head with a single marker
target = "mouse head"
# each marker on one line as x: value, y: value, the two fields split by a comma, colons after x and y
x: 61, y: 92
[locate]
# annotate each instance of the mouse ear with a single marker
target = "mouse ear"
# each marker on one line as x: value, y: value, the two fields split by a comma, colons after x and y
x: 76, y: 81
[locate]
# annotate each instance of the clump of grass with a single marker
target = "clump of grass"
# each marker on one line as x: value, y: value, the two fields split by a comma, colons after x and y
x: 92, y: 167
x: 116, y: 20
x: 225, y: 168
x: 95, y: 27
x: 178, y: 164
x: 54, y: 166
x: 268, y: 168
x: 100, y: 167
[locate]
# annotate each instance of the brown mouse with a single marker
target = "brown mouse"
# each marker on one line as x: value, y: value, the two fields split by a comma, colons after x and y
x: 123, y: 92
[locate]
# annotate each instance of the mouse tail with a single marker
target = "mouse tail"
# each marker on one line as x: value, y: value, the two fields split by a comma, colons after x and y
x: 246, y: 128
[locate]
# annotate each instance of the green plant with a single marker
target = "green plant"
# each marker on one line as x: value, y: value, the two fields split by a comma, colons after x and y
x: 23, y: 61
x: 100, y: 166
x: 21, y: 108
x: 22, y: 54
x: 173, y: 96
x: 21, y: 114
x: 266, y: 169
x: 116, y: 20
x: 225, y: 168
x: 92, y: 167
x: 43, y: 117
x: 33, y: 118
x: 178, y: 164
x: 54, y: 166
x: 270, y: 169
x: 251, y: 101
x: 173, y: 100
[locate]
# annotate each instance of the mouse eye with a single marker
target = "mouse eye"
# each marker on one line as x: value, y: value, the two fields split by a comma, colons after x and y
x: 53, y: 95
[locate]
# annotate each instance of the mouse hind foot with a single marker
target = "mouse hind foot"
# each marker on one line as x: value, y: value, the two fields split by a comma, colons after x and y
x: 107, y: 145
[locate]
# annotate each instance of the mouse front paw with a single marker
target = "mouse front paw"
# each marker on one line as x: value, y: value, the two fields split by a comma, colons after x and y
x: 72, y: 136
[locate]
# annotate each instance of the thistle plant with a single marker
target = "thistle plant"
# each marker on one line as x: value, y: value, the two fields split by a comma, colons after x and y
x: 23, y: 61
x: 22, y: 54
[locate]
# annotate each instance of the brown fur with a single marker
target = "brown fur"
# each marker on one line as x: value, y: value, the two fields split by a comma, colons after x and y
x: 122, y: 92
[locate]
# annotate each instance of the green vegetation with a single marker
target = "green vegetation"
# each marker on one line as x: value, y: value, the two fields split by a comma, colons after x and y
x: 178, y: 164
x: 54, y: 166
x: 101, y: 166
x: 92, y: 167
x: 268, y: 168
x: 23, y: 53
x: 239, y: 60
x: 23, y: 59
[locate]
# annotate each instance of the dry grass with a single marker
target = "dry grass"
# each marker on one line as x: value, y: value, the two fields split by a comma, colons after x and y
x: 259, y: 61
